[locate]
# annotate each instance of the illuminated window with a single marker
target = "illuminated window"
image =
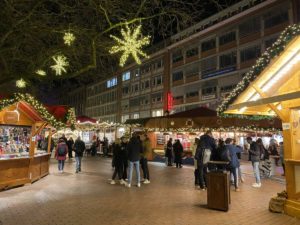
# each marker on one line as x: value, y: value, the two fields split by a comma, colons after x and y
x: 111, y: 83
x: 126, y: 76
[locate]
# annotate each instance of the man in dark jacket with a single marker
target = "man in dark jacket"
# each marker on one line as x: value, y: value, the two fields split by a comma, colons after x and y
x: 206, y: 142
x: 124, y: 157
x: 134, y: 150
x: 254, y: 152
x: 70, y: 144
x: 79, y: 148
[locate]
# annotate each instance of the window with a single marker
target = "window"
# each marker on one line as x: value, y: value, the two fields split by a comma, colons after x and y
x: 249, y: 27
x: 137, y: 72
x: 250, y: 53
x: 158, y: 112
x: 134, y: 102
x: 126, y: 76
x: 125, y: 90
x: 145, y: 84
x: 228, y: 88
x: 192, y: 52
x: 135, y: 88
x: 269, y: 42
x: 192, y: 94
x: 192, y: 70
x: 144, y: 100
x: 208, y: 45
x: 177, y: 56
x: 145, y: 69
x: 227, y: 38
x: 136, y: 115
x: 274, y: 18
x: 177, y: 76
x: 124, y: 118
x: 111, y: 83
x: 209, y: 65
x: 156, y: 81
x: 156, y: 98
x: 228, y: 60
x: 209, y: 90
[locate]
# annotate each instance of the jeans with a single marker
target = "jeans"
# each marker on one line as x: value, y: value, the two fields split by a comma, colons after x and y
x: 256, y: 171
x: 202, y: 175
x: 61, y: 164
x: 145, y: 169
x: 137, y: 169
x: 78, y: 163
x: 233, y: 172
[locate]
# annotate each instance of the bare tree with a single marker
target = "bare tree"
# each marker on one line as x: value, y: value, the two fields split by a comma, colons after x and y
x: 31, y: 32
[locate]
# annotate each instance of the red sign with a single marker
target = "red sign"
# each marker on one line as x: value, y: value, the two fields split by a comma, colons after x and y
x: 169, y: 101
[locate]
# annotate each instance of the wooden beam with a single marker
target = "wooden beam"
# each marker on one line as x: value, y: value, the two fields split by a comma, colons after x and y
x: 39, y: 129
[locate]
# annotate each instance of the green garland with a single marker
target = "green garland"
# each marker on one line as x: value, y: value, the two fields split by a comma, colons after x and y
x: 284, y: 39
x: 40, y: 108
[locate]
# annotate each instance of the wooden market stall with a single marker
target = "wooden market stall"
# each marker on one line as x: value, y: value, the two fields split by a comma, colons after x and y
x: 22, y: 119
x: 272, y: 87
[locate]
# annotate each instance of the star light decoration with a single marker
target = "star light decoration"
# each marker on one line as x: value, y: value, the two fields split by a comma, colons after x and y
x: 61, y: 63
x: 285, y: 37
x: 40, y: 72
x: 69, y: 38
x: 21, y: 83
x: 131, y: 44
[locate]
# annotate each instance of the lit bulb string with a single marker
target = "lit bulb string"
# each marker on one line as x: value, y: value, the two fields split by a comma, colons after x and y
x: 70, y: 117
x: 284, y: 39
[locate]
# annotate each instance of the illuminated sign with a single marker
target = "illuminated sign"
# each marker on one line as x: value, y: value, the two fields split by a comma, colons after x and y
x: 169, y: 101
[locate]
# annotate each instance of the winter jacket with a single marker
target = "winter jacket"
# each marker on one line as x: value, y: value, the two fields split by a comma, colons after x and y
x: 233, y: 150
x: 134, y: 149
x: 79, y: 148
x: 61, y: 145
x: 117, y: 155
x: 178, y: 150
x: 254, y: 152
x: 207, y: 141
x: 169, y: 150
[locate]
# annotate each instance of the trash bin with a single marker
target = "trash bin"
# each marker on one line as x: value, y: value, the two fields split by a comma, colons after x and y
x: 218, y: 187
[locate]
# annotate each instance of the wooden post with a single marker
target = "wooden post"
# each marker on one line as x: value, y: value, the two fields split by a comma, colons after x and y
x: 32, y: 141
x: 49, y: 140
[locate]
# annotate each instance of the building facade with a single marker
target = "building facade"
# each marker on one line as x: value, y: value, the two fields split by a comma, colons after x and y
x: 200, y: 66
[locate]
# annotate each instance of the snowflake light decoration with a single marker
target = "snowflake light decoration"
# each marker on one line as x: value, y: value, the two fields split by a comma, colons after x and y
x: 21, y: 83
x: 69, y: 38
x: 40, y: 72
x: 131, y: 44
x: 61, y: 63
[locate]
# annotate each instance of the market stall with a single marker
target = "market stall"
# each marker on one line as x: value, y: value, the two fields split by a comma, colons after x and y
x: 22, y: 160
x: 272, y: 87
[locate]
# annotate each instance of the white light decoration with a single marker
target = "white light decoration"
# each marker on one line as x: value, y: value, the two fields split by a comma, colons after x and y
x: 243, y: 109
x: 69, y: 38
x: 21, y: 83
x: 61, y: 63
x: 131, y: 44
x: 40, y: 72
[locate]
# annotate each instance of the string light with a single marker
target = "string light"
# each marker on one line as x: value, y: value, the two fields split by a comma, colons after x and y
x: 285, y: 37
x: 40, y: 108
x: 21, y: 83
x: 60, y: 64
x: 131, y: 44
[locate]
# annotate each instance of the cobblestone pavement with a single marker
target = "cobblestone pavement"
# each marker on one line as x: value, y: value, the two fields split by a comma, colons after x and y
x: 87, y: 198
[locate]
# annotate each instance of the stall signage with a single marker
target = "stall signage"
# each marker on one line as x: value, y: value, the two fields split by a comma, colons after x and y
x: 169, y: 101
x: 11, y: 117
x: 286, y: 126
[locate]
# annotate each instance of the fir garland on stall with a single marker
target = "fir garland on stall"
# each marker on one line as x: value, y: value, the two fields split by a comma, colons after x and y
x: 284, y: 39
x: 40, y: 108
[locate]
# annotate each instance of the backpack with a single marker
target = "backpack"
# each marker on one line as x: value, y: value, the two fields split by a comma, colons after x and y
x: 206, y: 156
x: 61, y: 150
x: 225, y: 154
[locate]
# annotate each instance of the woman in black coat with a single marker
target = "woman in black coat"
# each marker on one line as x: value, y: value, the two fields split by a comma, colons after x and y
x: 178, y: 150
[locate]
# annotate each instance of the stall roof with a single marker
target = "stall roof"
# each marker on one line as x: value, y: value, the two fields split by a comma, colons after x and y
x: 85, y: 119
x: 273, y: 83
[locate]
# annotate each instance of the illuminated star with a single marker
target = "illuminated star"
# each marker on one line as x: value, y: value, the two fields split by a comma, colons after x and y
x: 69, y: 38
x: 61, y: 63
x: 131, y: 44
x: 21, y: 83
x: 40, y: 72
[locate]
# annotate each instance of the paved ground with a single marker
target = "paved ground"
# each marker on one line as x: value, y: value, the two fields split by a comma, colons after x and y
x: 170, y: 199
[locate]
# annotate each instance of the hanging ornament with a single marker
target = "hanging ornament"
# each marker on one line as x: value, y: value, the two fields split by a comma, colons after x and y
x: 21, y: 83
x: 69, y: 38
x: 131, y: 44
x: 40, y: 72
x: 61, y: 63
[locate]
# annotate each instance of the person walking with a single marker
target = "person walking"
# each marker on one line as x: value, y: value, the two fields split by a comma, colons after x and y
x: 60, y: 154
x: 134, y: 150
x: 117, y: 162
x: 169, y: 152
x: 281, y: 153
x: 79, y: 148
x: 234, y: 162
x: 144, y: 159
x: 70, y: 144
x: 178, y: 150
x: 124, y: 157
x: 254, y: 151
x: 206, y: 148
